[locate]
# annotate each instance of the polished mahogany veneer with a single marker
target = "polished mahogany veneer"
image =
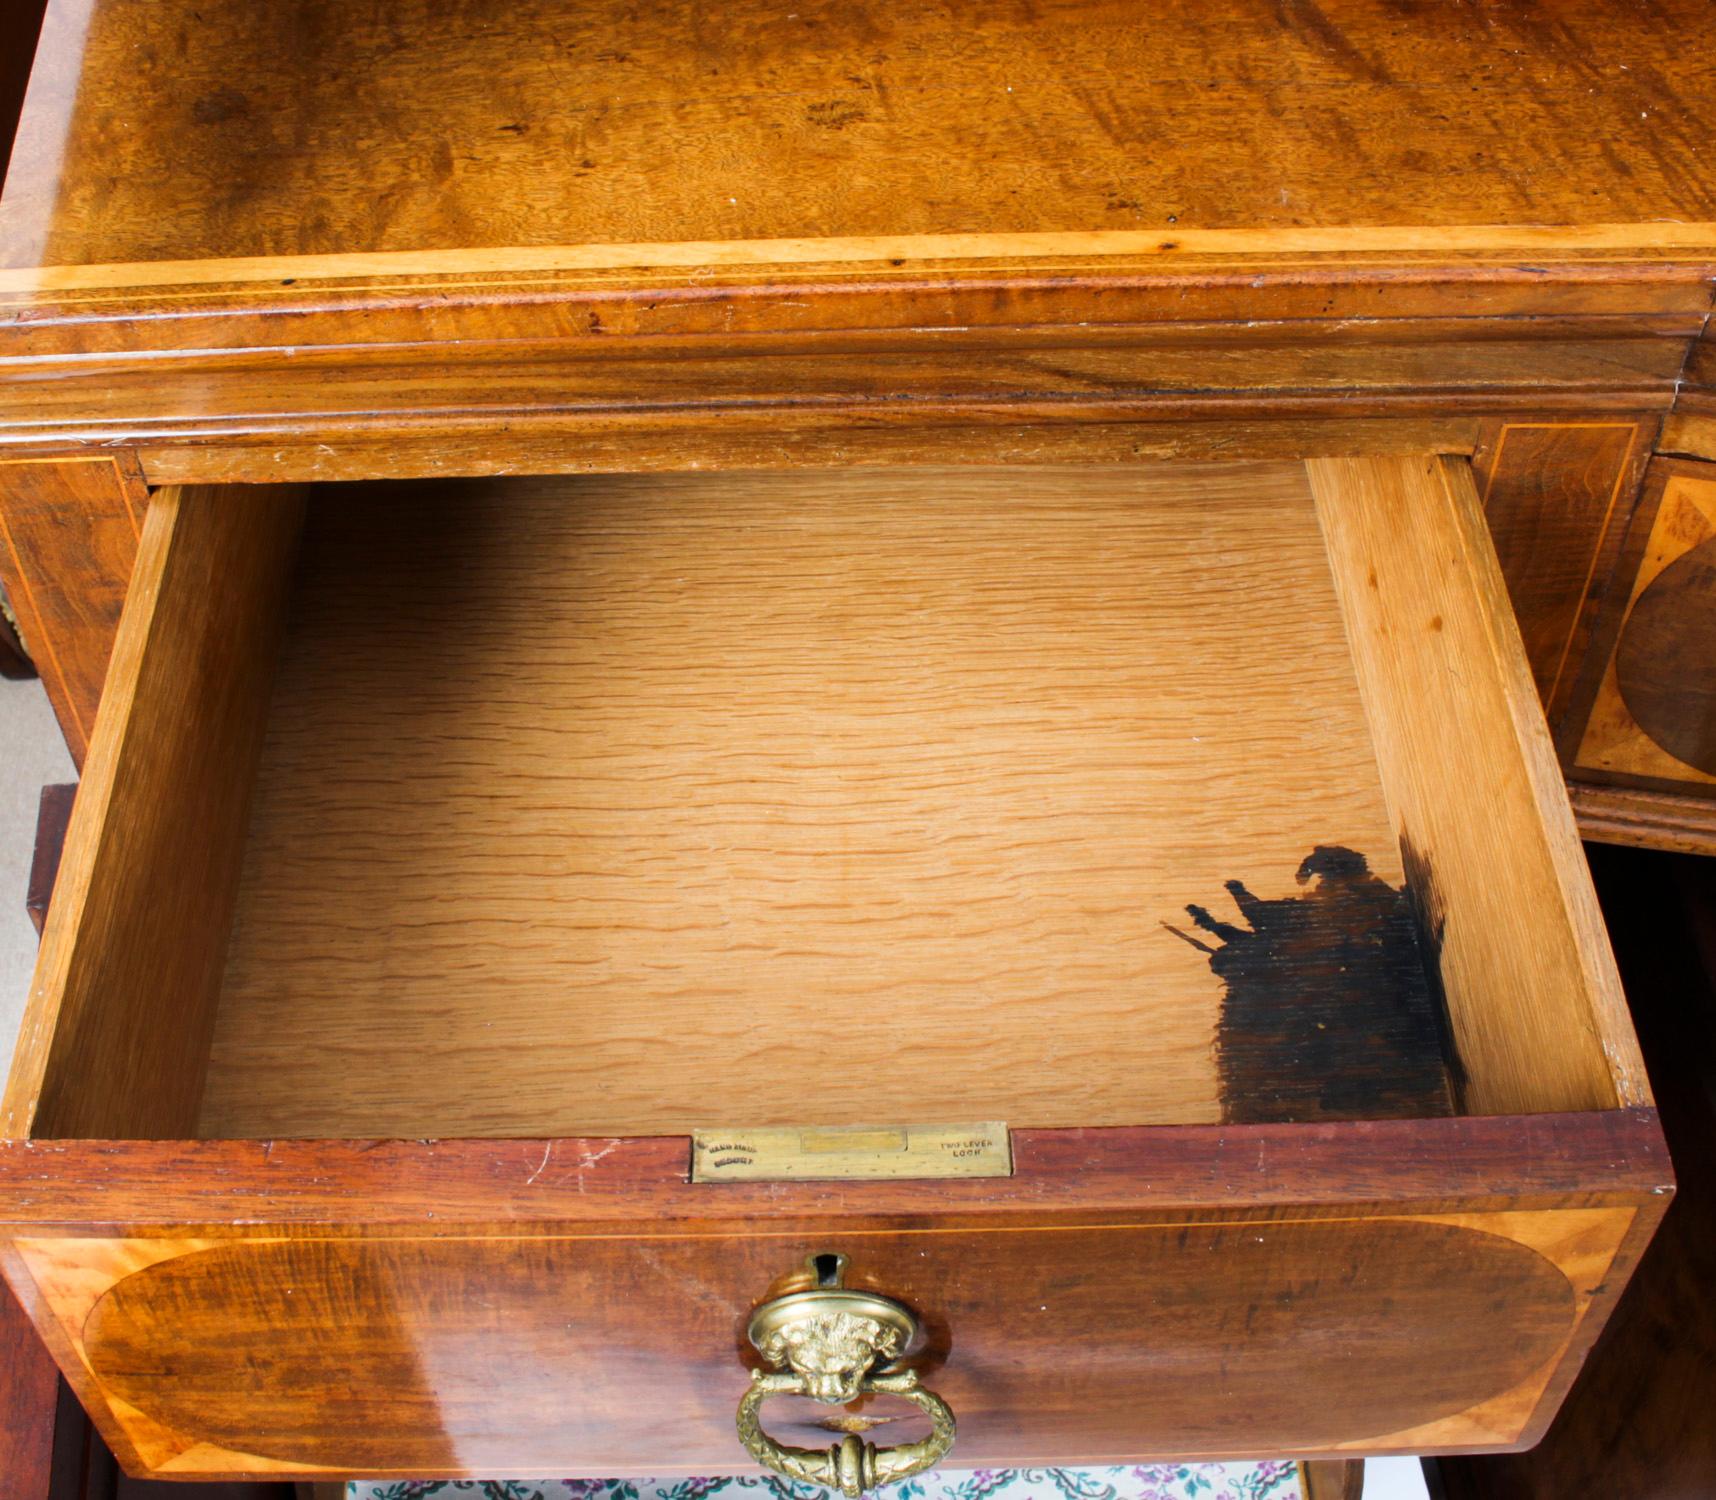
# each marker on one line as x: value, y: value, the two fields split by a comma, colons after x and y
x: 1044, y: 566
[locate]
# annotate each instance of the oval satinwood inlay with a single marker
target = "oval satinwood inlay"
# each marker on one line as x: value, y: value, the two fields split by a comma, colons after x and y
x: 603, y: 1355
x: 1665, y: 665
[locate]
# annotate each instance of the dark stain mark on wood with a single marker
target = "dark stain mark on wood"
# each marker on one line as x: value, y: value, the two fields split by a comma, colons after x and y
x: 218, y: 107
x: 1333, y: 1006
x: 1430, y: 922
x: 835, y: 114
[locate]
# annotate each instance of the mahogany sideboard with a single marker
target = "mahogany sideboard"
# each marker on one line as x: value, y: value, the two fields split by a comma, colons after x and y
x: 1637, y: 1422
x: 1006, y: 591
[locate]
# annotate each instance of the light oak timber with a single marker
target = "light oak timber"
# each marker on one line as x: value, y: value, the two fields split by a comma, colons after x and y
x: 718, y: 777
x: 1624, y: 255
x: 972, y: 569
x: 670, y: 443
x: 954, y: 548
x: 1471, y: 778
x: 266, y: 244
x: 115, y: 1035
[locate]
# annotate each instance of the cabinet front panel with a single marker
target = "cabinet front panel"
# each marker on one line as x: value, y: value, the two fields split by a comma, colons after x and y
x: 609, y: 1355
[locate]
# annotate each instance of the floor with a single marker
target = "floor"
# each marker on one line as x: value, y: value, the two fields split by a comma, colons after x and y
x: 32, y: 755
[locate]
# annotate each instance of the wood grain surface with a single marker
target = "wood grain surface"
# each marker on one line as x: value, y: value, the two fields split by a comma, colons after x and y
x: 1690, y: 430
x: 1557, y: 499
x: 738, y: 800
x: 1313, y: 1214
x: 1556, y: 1204
x: 1332, y: 1480
x: 456, y: 1356
x: 1161, y: 1173
x: 68, y: 539
x: 550, y: 124
x: 1649, y: 820
x: 639, y: 239
x: 115, y: 1034
x: 29, y: 1393
x: 1538, y: 1016
x: 1653, y: 721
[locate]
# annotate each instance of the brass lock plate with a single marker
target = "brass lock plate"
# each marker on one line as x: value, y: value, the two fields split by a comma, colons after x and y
x: 778, y: 1153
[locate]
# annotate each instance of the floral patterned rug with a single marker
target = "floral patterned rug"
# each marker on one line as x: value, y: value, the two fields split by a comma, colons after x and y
x: 1262, y: 1481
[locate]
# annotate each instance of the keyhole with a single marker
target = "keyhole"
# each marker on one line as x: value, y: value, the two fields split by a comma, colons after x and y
x: 829, y: 1269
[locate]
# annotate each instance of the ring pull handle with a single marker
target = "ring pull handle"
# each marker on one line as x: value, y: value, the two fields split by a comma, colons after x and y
x: 828, y: 1343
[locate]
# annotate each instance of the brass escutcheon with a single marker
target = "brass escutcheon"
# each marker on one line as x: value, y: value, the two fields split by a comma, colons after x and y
x: 834, y: 1344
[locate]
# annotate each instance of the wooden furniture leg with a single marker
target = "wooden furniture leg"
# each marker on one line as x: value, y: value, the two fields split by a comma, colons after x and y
x: 1332, y: 1479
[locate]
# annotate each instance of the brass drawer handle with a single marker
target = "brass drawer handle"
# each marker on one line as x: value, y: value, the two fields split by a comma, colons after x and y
x: 824, y: 1343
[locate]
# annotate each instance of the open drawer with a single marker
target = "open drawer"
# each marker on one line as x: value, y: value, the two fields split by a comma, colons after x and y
x: 448, y: 852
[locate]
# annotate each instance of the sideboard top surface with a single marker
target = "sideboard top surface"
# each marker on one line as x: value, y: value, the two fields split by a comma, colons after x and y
x: 429, y: 134
x: 319, y: 240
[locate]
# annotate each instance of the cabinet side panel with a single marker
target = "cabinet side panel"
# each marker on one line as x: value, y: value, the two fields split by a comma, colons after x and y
x: 31, y: 1386
x: 68, y: 541
x: 115, y: 1037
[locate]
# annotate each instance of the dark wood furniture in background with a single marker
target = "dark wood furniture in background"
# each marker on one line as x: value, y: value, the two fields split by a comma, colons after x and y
x: 15, y: 663
x: 53, y: 816
x: 1637, y: 1424
x: 18, y: 29
x: 29, y: 1396
x: 844, y: 341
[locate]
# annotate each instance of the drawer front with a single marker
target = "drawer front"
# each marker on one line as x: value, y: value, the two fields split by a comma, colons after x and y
x: 1303, y: 1279
x: 1070, y: 1333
